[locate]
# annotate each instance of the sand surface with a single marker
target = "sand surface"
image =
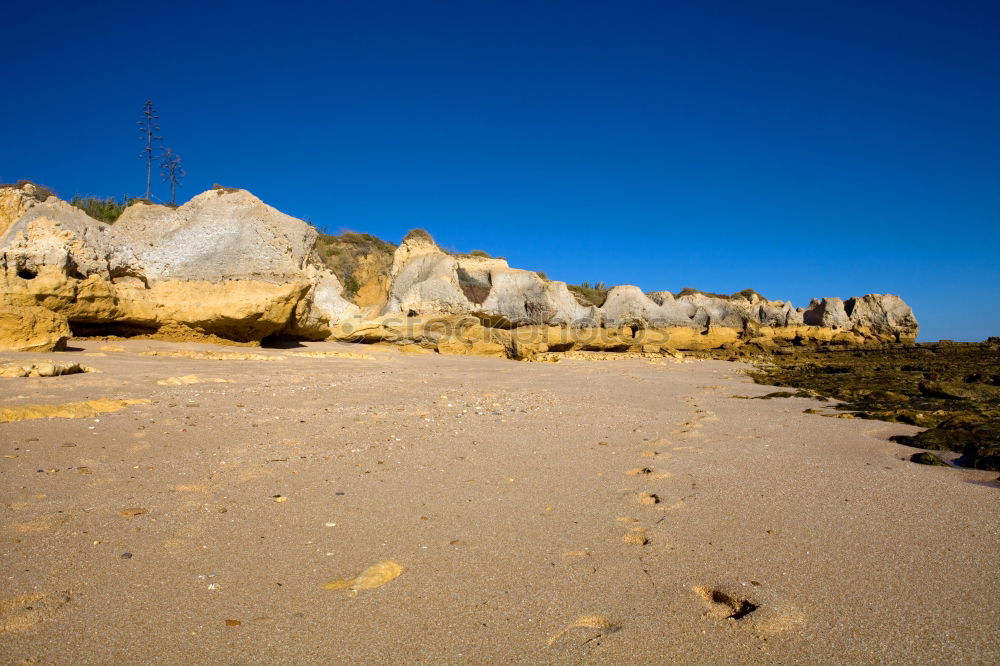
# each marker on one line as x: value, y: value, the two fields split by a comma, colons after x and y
x: 471, y: 510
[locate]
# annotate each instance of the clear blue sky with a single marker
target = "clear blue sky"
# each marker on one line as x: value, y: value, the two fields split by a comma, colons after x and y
x: 800, y: 147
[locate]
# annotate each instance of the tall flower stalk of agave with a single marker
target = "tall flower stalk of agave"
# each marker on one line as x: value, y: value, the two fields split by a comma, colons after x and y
x: 149, y: 128
x: 171, y: 171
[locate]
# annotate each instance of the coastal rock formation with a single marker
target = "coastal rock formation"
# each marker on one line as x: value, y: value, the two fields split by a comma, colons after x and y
x: 15, y: 201
x: 218, y: 235
x: 882, y: 315
x: 322, y: 306
x: 424, y: 280
x: 32, y: 329
x: 225, y: 264
x: 520, y: 298
x: 427, y: 284
x: 626, y: 305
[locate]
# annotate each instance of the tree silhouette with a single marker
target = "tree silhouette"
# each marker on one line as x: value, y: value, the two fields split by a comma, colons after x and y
x: 171, y: 171
x: 149, y: 128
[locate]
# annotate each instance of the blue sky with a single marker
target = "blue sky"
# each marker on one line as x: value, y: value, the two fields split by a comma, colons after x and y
x: 800, y: 147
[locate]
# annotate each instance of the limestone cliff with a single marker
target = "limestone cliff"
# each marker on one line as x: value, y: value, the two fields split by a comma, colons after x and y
x: 427, y: 282
x: 226, y: 264
x: 15, y: 200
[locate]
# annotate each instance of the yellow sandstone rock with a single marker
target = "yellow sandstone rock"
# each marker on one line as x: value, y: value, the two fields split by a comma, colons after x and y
x: 192, y: 379
x: 42, y: 369
x: 374, y: 576
x: 32, y: 328
x: 69, y: 410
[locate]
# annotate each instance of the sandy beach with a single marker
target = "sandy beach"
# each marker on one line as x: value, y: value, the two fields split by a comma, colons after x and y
x: 629, y: 511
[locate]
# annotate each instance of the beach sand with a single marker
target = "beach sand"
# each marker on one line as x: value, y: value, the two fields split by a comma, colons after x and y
x: 627, y: 511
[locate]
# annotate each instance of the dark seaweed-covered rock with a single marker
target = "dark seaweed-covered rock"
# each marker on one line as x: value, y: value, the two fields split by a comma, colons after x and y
x: 979, y: 444
x: 926, y: 458
x: 960, y: 390
x: 952, y: 389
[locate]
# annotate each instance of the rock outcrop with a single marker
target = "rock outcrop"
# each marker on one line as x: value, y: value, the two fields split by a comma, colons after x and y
x: 218, y: 235
x: 15, y: 200
x: 223, y: 264
x: 228, y: 265
x: 32, y: 329
x: 424, y: 280
x: 882, y: 315
x: 427, y: 283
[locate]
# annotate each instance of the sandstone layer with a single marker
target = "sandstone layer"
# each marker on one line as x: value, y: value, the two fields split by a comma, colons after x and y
x: 225, y: 264
x: 32, y: 328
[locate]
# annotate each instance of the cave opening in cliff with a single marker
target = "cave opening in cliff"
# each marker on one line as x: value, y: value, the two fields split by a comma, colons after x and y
x: 282, y: 341
x: 101, y: 329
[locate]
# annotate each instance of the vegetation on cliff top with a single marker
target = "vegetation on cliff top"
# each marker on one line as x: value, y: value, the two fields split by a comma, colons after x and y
x: 589, y: 295
x: 41, y: 191
x: 108, y: 209
x: 344, y: 253
x: 746, y: 294
x: 421, y: 234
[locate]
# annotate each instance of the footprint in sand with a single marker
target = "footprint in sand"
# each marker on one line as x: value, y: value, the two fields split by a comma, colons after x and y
x: 648, y: 499
x: 726, y: 604
x: 637, y: 536
x: 705, y: 415
x: 603, y: 625
x: 27, y: 610
x: 750, y: 608
x: 687, y: 430
x: 648, y: 473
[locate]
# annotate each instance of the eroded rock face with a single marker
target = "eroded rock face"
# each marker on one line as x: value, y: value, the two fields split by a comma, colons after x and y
x: 424, y: 280
x: 521, y: 298
x: 15, y: 202
x: 32, y: 329
x: 828, y: 312
x: 628, y: 306
x: 427, y: 282
x: 882, y: 315
x: 223, y: 264
x: 227, y: 264
x: 217, y: 235
x: 322, y: 306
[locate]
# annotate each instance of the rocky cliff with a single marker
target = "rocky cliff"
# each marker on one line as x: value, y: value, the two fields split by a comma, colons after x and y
x: 225, y: 264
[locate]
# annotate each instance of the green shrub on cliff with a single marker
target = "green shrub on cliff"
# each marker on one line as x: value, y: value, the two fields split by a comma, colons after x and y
x: 589, y: 295
x: 421, y: 234
x: 746, y: 294
x: 108, y: 209
x: 344, y: 253
x: 41, y: 191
